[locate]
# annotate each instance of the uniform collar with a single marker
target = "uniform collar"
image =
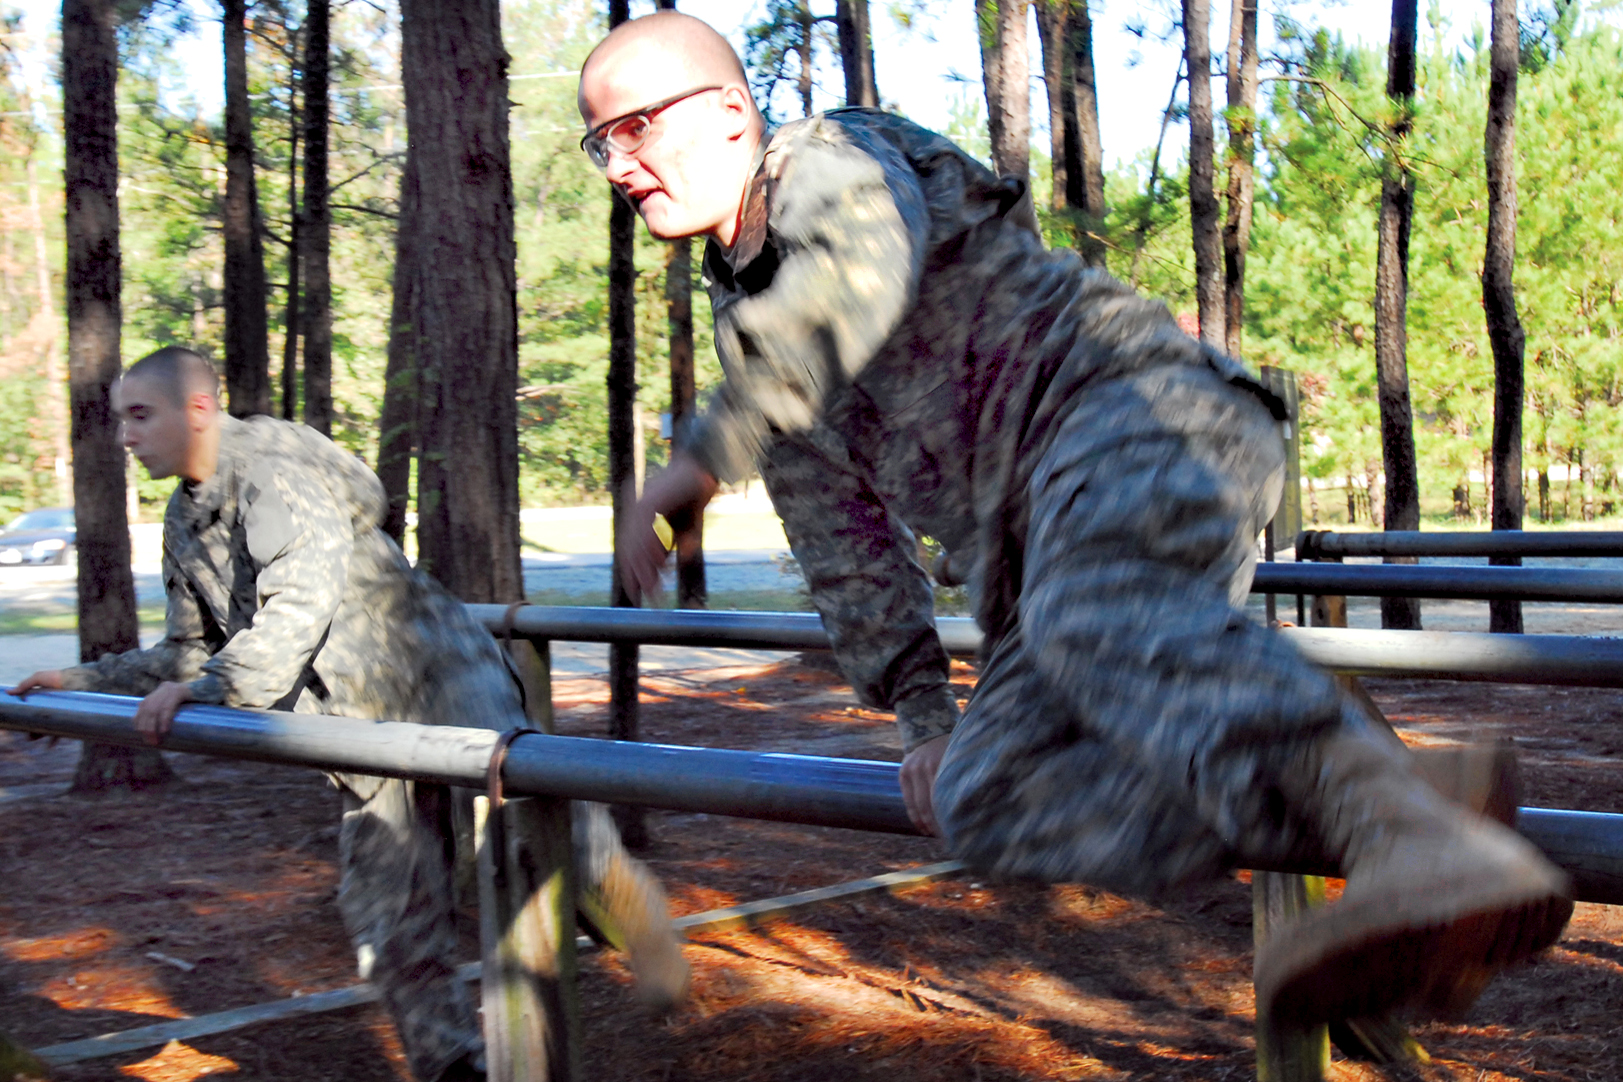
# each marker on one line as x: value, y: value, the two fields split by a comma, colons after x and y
x: 751, y: 236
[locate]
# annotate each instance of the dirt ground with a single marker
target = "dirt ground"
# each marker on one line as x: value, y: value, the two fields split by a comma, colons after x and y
x: 233, y: 872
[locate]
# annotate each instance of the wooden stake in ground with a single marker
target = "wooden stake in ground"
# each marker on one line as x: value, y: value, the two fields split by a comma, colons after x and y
x: 1505, y: 333
x: 1402, y: 504
x: 107, y: 621
x: 529, y: 994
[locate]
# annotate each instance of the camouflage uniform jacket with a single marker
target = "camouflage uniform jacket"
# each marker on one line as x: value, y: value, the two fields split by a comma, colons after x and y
x: 283, y: 592
x: 884, y: 294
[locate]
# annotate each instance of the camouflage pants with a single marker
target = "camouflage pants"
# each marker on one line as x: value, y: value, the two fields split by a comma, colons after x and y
x: 397, y: 891
x: 1128, y: 732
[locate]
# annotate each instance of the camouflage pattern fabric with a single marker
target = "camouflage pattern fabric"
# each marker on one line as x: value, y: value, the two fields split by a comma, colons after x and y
x: 902, y: 354
x: 1130, y: 729
x: 886, y: 300
x: 283, y: 592
x: 859, y: 561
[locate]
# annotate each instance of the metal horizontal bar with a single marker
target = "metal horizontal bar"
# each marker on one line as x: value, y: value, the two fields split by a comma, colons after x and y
x: 689, y: 627
x: 1467, y: 583
x: 1566, y: 660
x: 1573, y: 660
x: 853, y: 793
x: 1319, y: 544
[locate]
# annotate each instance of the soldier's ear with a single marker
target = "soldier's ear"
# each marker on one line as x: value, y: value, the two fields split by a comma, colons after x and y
x: 201, y: 410
x: 737, y: 110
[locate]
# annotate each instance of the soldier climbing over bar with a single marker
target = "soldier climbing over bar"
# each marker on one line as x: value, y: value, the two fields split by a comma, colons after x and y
x: 283, y: 592
x: 903, y: 356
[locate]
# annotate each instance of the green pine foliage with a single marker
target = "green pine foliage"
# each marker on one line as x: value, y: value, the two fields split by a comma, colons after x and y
x: 1310, y: 275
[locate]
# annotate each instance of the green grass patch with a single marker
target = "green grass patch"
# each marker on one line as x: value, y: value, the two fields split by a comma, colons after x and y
x: 56, y: 622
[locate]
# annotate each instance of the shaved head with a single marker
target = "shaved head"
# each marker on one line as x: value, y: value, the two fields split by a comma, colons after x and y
x: 178, y: 373
x: 663, y: 54
x: 671, y: 122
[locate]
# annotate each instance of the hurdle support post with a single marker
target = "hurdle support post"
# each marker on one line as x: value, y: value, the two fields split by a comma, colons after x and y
x: 527, y: 894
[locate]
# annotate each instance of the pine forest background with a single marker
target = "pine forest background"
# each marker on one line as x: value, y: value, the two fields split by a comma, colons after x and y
x: 1309, y: 275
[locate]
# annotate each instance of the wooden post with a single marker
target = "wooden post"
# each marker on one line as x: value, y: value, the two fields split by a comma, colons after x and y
x: 1293, y: 1053
x: 527, y: 935
x: 1286, y: 1053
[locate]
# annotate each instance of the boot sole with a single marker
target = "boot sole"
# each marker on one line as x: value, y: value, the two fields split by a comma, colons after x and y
x: 1374, y: 956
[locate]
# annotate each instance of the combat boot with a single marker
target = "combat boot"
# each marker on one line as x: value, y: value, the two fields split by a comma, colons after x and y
x: 621, y: 903
x: 627, y: 907
x: 1437, y: 900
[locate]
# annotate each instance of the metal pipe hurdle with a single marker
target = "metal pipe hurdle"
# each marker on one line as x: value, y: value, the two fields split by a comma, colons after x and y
x: 528, y: 941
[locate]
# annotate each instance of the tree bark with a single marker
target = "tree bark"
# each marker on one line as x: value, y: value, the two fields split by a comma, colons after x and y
x: 1085, y: 176
x: 1402, y: 502
x: 803, y: 49
x: 986, y: 33
x: 290, y: 342
x: 1051, y: 23
x: 1242, y: 152
x: 107, y: 619
x: 316, y: 227
x: 1505, y: 334
x: 247, y: 345
x: 1011, y: 154
x: 464, y: 306
x: 856, y: 53
x: 687, y: 529
x: 56, y: 403
x: 397, y: 427
x: 1208, y: 242
x: 622, y: 393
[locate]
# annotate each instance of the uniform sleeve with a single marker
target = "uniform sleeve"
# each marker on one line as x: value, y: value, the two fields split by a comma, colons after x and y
x: 179, y: 657
x: 875, y: 600
x: 301, y: 540
x: 849, y: 226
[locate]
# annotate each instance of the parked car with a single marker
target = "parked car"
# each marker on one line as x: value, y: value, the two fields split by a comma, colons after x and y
x: 45, y: 536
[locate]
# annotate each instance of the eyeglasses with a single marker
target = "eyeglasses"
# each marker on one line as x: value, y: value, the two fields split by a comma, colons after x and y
x: 627, y: 133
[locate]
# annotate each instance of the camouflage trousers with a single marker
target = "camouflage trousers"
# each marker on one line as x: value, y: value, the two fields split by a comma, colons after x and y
x: 1130, y: 729
x: 397, y: 845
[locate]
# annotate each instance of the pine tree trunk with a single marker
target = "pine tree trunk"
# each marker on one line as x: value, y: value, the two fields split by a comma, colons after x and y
x: 290, y: 341
x: 1505, y: 333
x: 1085, y: 175
x: 56, y: 400
x: 464, y: 312
x: 986, y: 31
x: 1242, y: 123
x: 247, y: 345
x: 1402, y: 504
x: 316, y: 232
x: 856, y: 53
x: 397, y: 427
x: 1011, y: 155
x: 1208, y: 242
x: 1051, y: 16
x: 107, y: 620
x: 622, y: 390
x: 803, y: 49
x: 687, y: 528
